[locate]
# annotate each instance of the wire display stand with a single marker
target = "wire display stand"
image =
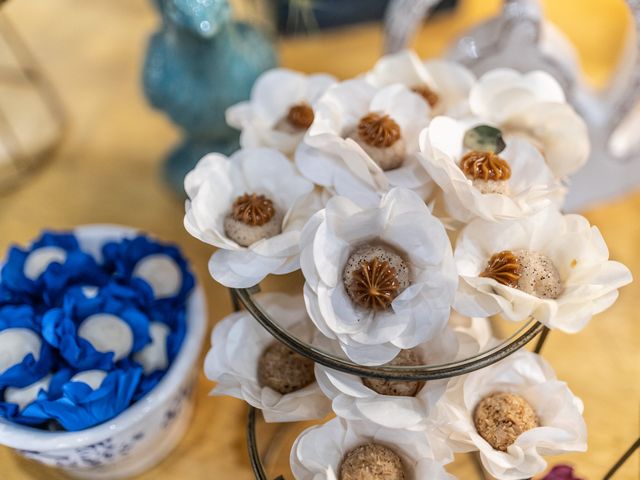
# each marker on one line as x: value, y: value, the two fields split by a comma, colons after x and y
x: 243, y: 298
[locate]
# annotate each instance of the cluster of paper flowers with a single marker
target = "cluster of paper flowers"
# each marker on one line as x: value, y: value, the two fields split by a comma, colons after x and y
x: 418, y: 201
x: 84, y: 334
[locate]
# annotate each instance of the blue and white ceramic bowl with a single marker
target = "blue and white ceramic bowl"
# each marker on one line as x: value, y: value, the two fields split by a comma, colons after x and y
x: 146, y: 432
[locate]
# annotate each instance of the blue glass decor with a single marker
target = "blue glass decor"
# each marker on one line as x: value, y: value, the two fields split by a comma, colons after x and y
x: 197, y: 64
x: 83, y: 338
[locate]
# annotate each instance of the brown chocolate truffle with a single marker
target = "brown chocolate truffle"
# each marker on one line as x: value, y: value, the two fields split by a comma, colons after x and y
x: 429, y: 95
x: 284, y: 370
x: 501, y: 417
x: 300, y: 116
x: 398, y: 388
x: 374, y: 275
x: 380, y: 137
x: 253, y: 217
x: 488, y: 172
x: 372, y: 461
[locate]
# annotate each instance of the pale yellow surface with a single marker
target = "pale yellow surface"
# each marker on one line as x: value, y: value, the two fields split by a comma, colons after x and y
x: 108, y: 172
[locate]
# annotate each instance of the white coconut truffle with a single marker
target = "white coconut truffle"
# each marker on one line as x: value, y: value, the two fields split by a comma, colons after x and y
x: 17, y: 343
x: 25, y: 395
x: 162, y: 273
x: 38, y: 260
x: 93, y: 378
x: 107, y: 333
x: 154, y: 356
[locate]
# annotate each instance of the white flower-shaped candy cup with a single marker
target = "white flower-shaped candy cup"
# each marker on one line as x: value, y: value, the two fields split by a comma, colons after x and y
x: 450, y: 81
x: 562, y: 428
x: 590, y: 280
x: 318, y: 452
x: 533, y: 106
x: 273, y: 94
x: 532, y: 185
x: 420, y: 312
x: 238, y: 342
x: 331, y: 159
x: 215, y: 183
x: 353, y: 400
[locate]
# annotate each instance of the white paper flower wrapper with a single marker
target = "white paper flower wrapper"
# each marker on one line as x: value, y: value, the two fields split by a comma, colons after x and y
x: 318, y: 452
x: 417, y: 314
x: 526, y: 374
x: 533, y: 106
x: 353, y: 400
x: 532, y: 186
x: 330, y: 159
x: 212, y: 187
x: 273, y: 94
x: 450, y: 81
x: 590, y: 280
x: 237, y: 344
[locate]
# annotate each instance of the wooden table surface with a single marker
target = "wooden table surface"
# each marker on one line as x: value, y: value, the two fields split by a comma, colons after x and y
x: 107, y: 172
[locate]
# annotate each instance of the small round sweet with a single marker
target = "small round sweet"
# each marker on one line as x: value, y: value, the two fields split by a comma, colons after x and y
x: 246, y: 235
x: 397, y: 388
x: 381, y: 138
x: 500, y: 418
x: 107, y: 333
x: 500, y: 187
x: 431, y: 97
x: 300, y: 116
x: 252, y: 218
x: 284, y: 370
x: 16, y: 344
x: 162, y: 273
x: 38, y: 260
x: 154, y: 356
x: 25, y: 395
x: 374, y: 275
x: 372, y: 461
x: 93, y: 378
x: 387, y: 158
x: 538, y: 275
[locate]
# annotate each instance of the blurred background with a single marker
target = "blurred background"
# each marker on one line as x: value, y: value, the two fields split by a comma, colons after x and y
x: 79, y: 143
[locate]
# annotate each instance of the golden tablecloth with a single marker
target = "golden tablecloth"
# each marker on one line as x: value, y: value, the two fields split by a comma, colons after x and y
x: 107, y: 172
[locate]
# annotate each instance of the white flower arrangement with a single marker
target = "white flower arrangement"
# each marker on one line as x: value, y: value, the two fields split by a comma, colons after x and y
x: 531, y: 185
x: 403, y: 235
x: 388, y: 403
x: 319, y: 452
x: 235, y: 367
x: 280, y: 109
x: 527, y: 381
x: 569, y: 257
x: 444, y: 85
x: 420, y: 203
x: 533, y: 106
x: 364, y: 140
x: 271, y: 189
